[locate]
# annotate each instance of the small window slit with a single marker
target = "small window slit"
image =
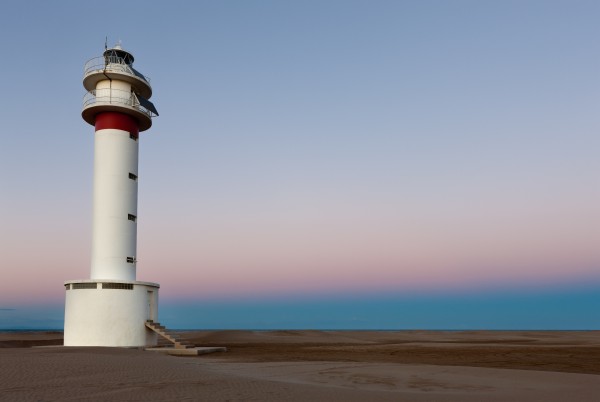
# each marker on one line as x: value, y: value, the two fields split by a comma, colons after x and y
x: 85, y: 285
x: 112, y: 285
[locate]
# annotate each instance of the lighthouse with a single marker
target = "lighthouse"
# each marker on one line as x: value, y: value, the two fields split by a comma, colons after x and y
x: 111, y: 308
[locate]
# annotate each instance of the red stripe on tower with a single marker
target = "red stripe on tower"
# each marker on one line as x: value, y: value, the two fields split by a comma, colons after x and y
x: 118, y: 121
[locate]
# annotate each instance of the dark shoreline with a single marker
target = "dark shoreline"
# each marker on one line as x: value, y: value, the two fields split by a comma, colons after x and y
x: 558, y: 351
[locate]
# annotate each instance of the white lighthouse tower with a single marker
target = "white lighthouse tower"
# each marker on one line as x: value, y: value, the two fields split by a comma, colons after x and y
x: 111, y: 308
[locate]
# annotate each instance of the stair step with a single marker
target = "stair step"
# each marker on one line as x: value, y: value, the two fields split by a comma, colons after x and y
x: 179, y: 346
x: 173, y: 338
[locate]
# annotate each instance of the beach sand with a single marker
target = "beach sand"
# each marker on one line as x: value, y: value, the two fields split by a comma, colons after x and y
x: 312, y: 366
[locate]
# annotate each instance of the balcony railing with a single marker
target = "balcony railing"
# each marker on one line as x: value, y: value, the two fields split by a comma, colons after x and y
x: 117, y: 97
x: 112, y: 64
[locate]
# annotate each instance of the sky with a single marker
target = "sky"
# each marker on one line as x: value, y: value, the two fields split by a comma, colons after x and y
x: 317, y: 164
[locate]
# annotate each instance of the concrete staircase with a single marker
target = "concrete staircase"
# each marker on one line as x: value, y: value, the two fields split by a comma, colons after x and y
x: 176, y: 340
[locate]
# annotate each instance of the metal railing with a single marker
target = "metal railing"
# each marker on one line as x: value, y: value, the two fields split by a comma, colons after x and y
x: 116, y: 97
x: 111, y: 63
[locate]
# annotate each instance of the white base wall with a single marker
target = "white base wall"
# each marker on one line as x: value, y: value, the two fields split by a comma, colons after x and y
x: 110, y: 317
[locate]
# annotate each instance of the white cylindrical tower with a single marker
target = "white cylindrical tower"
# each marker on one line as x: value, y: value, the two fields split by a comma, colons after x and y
x: 110, y: 308
x: 114, y: 218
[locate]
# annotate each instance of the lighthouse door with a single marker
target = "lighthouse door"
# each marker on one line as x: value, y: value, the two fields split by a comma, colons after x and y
x: 150, y: 308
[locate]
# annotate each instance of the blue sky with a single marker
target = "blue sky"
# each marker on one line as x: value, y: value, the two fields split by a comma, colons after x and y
x: 318, y: 157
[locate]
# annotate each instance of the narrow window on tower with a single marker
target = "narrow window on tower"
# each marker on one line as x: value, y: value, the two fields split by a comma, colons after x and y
x: 133, y: 176
x: 131, y: 260
x: 133, y: 136
x: 131, y: 217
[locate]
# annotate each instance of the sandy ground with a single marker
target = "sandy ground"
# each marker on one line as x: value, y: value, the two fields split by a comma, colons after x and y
x: 311, y: 366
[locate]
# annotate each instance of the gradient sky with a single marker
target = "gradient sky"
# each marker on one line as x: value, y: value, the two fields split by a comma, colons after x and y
x: 318, y: 164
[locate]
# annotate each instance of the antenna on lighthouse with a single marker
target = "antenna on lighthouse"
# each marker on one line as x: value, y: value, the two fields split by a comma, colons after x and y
x: 106, y: 43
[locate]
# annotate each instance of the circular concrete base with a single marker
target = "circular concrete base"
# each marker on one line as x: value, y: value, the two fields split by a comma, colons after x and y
x: 110, y: 313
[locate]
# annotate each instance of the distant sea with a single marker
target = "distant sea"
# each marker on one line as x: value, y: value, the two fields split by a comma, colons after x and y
x: 31, y: 330
x: 323, y: 330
